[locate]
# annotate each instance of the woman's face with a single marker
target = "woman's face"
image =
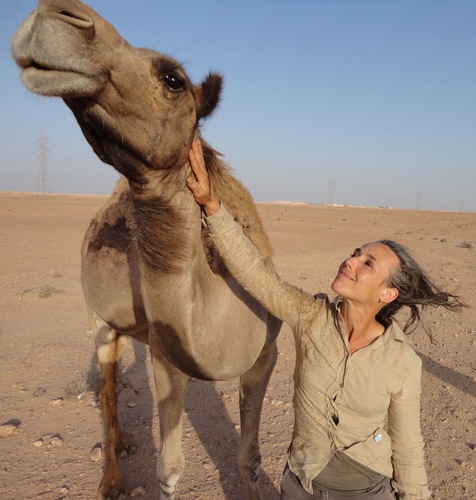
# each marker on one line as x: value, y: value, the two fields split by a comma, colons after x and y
x: 364, y: 275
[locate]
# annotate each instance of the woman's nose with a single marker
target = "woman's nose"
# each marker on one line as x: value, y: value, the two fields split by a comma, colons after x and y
x: 350, y: 262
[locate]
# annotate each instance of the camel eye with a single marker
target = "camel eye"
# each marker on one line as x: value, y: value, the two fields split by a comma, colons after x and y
x: 173, y: 81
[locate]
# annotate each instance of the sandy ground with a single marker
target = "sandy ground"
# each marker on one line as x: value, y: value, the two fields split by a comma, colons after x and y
x: 46, y: 348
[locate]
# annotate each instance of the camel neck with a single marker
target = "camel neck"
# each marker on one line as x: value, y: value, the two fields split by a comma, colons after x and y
x: 164, y: 184
x: 168, y: 230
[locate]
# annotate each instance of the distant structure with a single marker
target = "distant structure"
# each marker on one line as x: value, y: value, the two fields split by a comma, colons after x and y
x: 418, y: 200
x: 42, y: 155
x: 331, y: 185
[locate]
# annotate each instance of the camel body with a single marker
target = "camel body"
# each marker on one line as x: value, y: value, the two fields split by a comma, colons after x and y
x: 148, y: 268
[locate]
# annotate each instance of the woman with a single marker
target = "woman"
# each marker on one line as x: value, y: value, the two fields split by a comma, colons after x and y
x: 357, y: 380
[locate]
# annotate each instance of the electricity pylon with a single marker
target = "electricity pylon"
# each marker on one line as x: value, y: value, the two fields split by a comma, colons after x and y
x: 42, y: 156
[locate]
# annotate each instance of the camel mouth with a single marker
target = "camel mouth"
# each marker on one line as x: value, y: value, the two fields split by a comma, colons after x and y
x: 27, y: 63
x: 58, y: 82
x: 37, y: 66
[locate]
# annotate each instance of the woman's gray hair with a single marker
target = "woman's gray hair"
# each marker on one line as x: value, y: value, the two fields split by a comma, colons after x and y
x: 415, y: 290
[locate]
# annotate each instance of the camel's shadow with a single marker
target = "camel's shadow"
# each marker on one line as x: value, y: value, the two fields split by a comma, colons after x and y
x: 211, y: 422
x: 207, y: 419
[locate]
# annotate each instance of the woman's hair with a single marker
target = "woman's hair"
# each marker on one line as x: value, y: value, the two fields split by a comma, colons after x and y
x: 415, y: 290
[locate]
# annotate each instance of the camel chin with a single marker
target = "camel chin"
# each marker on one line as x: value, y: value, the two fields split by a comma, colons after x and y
x: 55, y: 83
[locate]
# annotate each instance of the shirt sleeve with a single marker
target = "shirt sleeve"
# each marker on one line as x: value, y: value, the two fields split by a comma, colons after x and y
x: 252, y: 271
x: 410, y: 480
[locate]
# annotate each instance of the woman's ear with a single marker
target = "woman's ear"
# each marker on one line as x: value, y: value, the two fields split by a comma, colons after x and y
x: 388, y: 295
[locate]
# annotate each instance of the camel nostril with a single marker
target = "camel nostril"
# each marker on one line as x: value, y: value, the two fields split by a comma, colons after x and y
x: 78, y: 19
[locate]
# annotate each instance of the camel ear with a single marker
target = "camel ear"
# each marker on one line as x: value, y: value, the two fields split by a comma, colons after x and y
x: 208, y: 95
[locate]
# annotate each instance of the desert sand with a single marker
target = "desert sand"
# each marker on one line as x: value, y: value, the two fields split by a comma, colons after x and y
x: 47, y: 351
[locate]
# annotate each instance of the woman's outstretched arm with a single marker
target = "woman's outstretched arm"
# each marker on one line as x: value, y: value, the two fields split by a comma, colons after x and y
x: 256, y: 274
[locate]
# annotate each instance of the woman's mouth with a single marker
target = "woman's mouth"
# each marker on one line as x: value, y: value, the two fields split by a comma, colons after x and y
x: 345, y: 275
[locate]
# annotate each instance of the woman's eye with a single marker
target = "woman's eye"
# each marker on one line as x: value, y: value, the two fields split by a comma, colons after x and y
x: 369, y: 263
x: 173, y: 81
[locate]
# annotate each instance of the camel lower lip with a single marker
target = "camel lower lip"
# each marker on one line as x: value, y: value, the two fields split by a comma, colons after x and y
x: 54, y: 82
x: 40, y: 73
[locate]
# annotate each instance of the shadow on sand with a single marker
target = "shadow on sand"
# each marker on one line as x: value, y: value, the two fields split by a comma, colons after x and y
x: 212, y: 425
x: 209, y: 419
x: 449, y: 375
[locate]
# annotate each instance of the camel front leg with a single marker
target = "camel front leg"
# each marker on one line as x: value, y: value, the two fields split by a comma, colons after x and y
x: 253, y: 384
x: 170, y: 384
x: 110, y: 346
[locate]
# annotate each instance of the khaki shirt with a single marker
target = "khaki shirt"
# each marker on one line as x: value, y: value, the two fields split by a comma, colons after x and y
x: 366, y: 405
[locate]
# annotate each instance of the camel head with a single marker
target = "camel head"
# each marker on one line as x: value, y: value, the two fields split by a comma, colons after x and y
x: 136, y: 107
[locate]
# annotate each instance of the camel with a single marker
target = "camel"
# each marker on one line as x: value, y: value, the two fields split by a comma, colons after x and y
x: 149, y: 269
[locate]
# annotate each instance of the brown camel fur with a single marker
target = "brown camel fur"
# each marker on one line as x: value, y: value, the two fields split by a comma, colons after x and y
x: 148, y: 269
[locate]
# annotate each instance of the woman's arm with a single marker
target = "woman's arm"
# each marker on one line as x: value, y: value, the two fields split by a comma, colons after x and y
x: 240, y: 255
x: 407, y: 442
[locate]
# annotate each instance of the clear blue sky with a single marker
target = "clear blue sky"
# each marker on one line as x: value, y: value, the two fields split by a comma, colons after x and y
x: 374, y: 97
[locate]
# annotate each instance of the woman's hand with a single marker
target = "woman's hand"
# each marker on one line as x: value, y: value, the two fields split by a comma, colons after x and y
x: 199, y: 182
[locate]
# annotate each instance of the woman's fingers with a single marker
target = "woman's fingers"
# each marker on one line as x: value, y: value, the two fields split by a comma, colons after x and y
x: 197, y: 161
x: 199, y: 181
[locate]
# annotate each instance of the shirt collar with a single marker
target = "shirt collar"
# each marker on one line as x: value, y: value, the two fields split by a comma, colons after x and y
x: 392, y: 333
